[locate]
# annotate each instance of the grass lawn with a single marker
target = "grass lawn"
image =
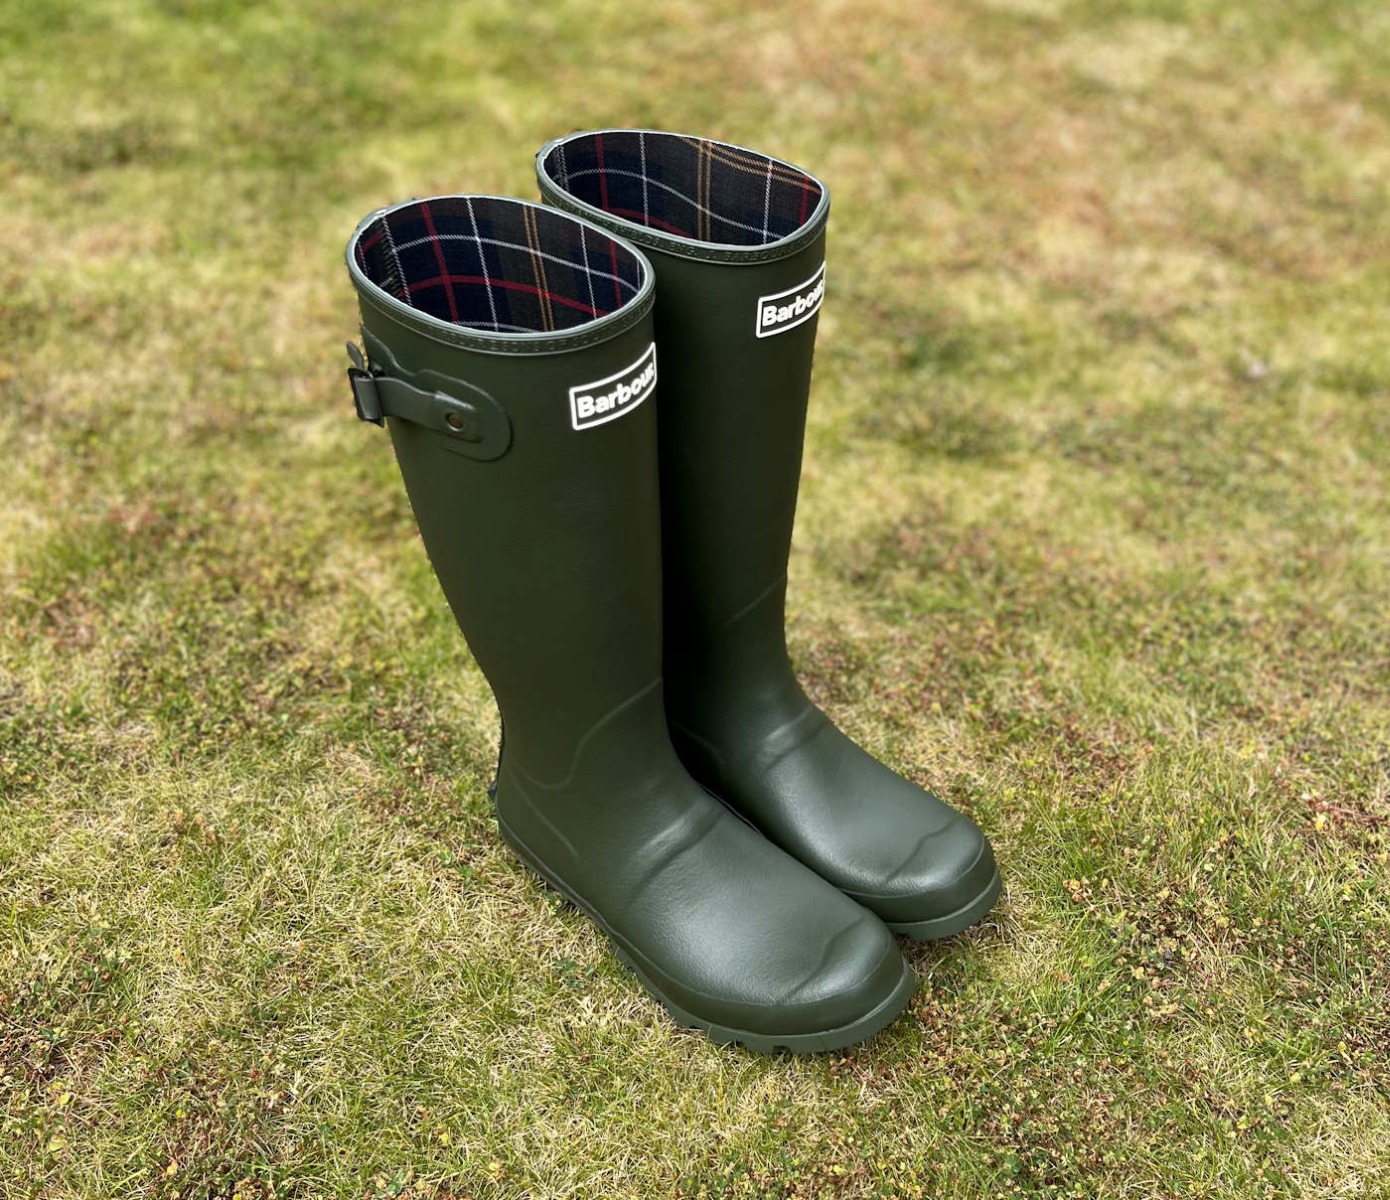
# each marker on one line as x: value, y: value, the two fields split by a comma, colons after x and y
x: 1094, y: 537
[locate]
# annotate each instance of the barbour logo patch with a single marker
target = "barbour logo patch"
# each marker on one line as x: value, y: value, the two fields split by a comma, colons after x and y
x: 608, y: 399
x: 786, y: 310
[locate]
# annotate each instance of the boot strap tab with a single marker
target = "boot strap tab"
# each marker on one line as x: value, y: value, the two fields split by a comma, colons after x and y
x: 471, y: 420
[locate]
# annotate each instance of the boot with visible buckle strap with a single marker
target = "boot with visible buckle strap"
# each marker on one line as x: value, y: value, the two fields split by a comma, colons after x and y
x: 737, y: 240
x: 510, y: 354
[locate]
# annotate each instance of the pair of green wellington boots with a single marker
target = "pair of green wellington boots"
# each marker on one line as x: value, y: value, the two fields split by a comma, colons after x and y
x: 602, y: 445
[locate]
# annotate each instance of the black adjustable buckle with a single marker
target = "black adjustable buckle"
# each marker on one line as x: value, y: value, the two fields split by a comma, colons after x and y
x: 365, y: 397
x: 472, y: 422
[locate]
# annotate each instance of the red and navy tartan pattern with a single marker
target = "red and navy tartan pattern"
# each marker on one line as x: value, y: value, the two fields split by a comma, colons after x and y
x: 690, y: 187
x: 496, y: 264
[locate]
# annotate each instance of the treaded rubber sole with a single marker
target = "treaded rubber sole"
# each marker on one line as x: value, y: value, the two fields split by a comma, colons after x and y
x: 817, y: 1042
x: 953, y: 922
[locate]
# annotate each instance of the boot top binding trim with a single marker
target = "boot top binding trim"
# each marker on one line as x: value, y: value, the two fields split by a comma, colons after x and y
x: 690, y: 196
x: 498, y: 274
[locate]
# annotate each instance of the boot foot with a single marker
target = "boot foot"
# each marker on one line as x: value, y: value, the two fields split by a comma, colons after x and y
x: 857, y: 996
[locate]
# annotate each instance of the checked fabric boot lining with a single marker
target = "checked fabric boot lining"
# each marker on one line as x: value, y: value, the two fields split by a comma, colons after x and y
x: 691, y: 187
x: 496, y: 264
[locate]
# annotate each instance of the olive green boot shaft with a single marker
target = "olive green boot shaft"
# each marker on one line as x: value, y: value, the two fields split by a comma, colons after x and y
x: 737, y: 241
x: 512, y: 355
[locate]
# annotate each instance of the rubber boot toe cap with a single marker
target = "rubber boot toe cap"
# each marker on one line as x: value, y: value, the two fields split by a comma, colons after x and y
x: 946, y: 883
x: 861, y: 970
x: 858, y: 985
x: 861, y: 984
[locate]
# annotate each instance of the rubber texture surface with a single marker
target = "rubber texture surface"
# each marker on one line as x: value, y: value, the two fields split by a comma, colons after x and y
x: 736, y: 329
x: 816, y: 1042
x: 550, y: 557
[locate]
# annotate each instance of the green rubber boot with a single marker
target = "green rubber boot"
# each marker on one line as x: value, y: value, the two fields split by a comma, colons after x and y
x: 511, y: 356
x: 738, y: 244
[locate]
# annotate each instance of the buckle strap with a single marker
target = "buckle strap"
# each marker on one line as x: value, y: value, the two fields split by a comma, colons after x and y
x: 471, y: 420
x: 363, y: 384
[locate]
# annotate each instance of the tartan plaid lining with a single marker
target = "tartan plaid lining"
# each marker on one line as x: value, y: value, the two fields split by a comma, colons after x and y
x: 488, y: 263
x: 691, y: 187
